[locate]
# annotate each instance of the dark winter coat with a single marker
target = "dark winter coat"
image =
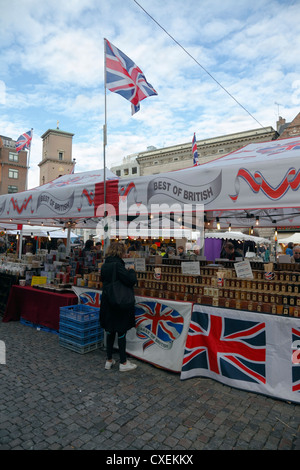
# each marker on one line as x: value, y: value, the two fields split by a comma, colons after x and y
x: 112, y: 319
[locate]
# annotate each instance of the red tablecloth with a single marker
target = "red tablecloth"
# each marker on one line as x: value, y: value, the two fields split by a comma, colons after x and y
x: 38, y: 306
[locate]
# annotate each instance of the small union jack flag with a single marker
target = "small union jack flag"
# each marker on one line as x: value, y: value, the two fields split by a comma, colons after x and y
x: 91, y: 298
x: 123, y: 76
x: 157, y: 323
x: 24, y: 141
x: 226, y: 346
x: 195, y: 151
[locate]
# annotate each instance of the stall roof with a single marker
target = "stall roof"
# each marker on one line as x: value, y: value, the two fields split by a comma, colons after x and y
x: 260, y: 180
x: 70, y: 199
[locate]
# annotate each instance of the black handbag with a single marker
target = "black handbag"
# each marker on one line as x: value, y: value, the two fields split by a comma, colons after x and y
x: 118, y: 294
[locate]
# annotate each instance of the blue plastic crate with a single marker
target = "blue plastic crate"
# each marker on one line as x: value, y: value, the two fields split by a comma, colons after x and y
x: 80, y: 312
x: 78, y: 348
x: 80, y: 341
x: 91, y: 330
x: 80, y: 324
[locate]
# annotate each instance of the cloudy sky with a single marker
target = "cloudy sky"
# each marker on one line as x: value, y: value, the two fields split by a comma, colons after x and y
x: 218, y: 66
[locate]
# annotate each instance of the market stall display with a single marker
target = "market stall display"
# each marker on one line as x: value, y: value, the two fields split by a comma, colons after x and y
x: 238, y: 189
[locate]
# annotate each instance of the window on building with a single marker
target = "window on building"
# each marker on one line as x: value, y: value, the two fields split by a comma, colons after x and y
x: 13, y: 157
x: 13, y: 173
x: 12, y: 189
x: 126, y: 171
x: 118, y: 172
x: 60, y: 156
x: 134, y: 170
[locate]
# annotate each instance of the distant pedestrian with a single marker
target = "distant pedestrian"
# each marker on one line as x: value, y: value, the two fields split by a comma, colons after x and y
x: 113, y: 320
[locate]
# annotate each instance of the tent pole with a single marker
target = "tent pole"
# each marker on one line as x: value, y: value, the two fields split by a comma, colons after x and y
x: 68, y: 241
x: 106, y: 241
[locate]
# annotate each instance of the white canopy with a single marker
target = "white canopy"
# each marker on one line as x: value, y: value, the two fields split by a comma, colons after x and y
x: 260, y: 180
x: 236, y: 236
x: 295, y: 238
x: 71, y: 198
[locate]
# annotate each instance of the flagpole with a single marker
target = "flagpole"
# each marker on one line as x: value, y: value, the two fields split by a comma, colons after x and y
x: 26, y: 187
x: 104, y: 145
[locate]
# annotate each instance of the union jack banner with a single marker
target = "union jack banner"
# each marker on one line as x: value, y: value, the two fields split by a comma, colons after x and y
x: 157, y: 324
x: 251, y: 351
x: 231, y: 347
x: 24, y: 141
x: 124, y: 77
x: 195, y: 151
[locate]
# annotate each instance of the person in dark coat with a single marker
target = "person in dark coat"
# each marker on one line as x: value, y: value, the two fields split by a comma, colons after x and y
x: 112, y: 320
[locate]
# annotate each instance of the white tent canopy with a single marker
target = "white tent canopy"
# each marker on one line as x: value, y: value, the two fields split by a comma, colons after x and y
x: 295, y: 238
x: 70, y: 199
x: 260, y: 180
x: 236, y: 236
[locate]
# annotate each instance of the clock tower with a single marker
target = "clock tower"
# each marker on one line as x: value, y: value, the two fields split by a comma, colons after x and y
x: 57, y: 155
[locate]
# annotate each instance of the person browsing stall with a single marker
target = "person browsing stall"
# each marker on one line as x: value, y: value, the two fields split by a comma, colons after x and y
x: 296, y: 254
x: 113, y: 320
x: 229, y: 251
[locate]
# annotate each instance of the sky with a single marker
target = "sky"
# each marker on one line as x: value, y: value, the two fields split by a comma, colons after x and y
x: 218, y: 67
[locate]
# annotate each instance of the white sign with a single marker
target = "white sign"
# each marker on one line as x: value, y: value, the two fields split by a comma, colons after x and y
x: 243, y: 270
x: 192, y: 268
x: 140, y: 264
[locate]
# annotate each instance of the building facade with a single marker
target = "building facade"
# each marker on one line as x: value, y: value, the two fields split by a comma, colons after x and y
x: 13, y: 169
x: 57, y: 155
x: 177, y: 157
x: 129, y: 167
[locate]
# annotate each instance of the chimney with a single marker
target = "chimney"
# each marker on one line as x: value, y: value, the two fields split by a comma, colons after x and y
x: 279, y: 124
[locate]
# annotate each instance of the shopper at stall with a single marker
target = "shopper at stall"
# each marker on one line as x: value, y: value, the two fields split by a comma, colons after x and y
x: 153, y: 249
x: 89, y: 246
x: 289, y: 250
x: 296, y: 254
x: 229, y: 251
x: 180, y: 251
x: 113, y: 320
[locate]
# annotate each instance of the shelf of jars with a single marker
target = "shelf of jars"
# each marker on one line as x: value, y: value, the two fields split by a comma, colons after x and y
x: 280, y: 295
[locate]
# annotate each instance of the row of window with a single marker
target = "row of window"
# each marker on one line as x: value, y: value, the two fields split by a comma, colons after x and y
x: 126, y: 171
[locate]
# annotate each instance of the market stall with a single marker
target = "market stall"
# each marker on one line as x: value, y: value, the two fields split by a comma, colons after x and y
x: 240, y: 189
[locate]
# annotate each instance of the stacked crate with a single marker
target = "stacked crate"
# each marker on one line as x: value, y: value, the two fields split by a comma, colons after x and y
x: 79, y: 328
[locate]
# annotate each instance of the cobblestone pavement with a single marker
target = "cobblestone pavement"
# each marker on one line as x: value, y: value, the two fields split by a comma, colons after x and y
x: 53, y: 398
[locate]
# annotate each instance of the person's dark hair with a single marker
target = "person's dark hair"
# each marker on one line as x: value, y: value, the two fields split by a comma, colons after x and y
x: 89, y: 244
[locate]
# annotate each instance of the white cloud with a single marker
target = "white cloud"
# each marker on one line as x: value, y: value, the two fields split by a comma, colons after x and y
x: 52, y: 68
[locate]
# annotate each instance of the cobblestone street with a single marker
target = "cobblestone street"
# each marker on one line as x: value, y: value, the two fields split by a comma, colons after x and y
x: 57, y: 399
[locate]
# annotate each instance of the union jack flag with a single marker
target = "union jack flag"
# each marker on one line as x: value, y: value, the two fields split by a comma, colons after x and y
x: 123, y: 76
x: 157, y: 323
x: 296, y: 360
x: 91, y: 298
x: 195, y: 151
x: 24, y: 141
x: 226, y: 346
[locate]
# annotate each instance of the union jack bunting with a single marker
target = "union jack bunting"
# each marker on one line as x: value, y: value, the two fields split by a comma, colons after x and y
x: 157, y: 324
x: 124, y: 77
x: 24, y: 141
x: 226, y: 346
x: 195, y: 152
